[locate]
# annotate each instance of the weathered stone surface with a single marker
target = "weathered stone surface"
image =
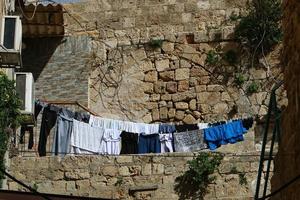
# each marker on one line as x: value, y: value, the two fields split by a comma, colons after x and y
x: 155, y: 97
x: 183, y: 85
x: 220, y: 108
x: 110, y: 171
x: 124, y: 171
x: 160, y: 87
x: 225, y: 96
x: 258, y: 73
x: 168, y: 47
x: 200, y: 88
x: 189, y: 119
x: 183, y: 96
x: 162, y: 65
x: 155, y: 114
x: 172, y: 113
x: 215, y: 88
x: 148, y: 88
x: 158, y: 169
x: 166, y: 97
x: 181, y: 105
x: 210, y: 98
x: 185, y: 64
x: 198, y: 72
x: 147, y: 169
x: 151, y: 76
x: 204, y: 80
x: 193, y: 104
x: 167, y: 75
x: 172, y: 87
x: 124, y: 159
x: 151, y: 105
x: 139, y: 54
x: 179, y: 115
x: 163, y: 113
x: 182, y: 74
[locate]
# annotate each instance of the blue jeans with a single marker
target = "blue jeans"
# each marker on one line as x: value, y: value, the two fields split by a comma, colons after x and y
x: 149, y: 144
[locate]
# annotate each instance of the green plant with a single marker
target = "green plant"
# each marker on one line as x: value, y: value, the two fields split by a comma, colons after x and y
x: 9, y: 114
x: 199, y: 175
x: 212, y: 57
x: 231, y: 57
x: 156, y: 43
x: 239, y: 79
x: 253, y: 87
x: 260, y: 30
x: 243, y: 179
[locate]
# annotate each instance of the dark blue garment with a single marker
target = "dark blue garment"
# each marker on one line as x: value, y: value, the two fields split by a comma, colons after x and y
x: 231, y: 132
x: 149, y: 144
x: 166, y: 128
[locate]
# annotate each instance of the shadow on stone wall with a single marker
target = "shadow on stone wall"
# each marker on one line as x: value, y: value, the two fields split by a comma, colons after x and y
x: 185, y: 188
x: 37, y: 53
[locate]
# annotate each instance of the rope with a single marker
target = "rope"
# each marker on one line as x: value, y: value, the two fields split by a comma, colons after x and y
x: 34, y: 11
x: 24, y: 185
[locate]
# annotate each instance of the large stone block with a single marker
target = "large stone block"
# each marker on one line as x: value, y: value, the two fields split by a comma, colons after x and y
x: 183, y: 85
x: 163, y: 113
x: 162, y: 65
x: 151, y: 76
x: 181, y: 105
x: 184, y: 96
x: 167, y: 75
x: 189, y: 119
x: 172, y: 87
x: 182, y: 74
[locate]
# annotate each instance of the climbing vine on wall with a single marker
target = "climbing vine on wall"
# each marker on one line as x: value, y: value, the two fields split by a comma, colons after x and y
x: 9, y: 114
x: 260, y: 30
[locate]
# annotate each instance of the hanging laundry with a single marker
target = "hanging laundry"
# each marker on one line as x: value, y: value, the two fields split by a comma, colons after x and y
x: 166, y: 142
x: 48, y: 121
x: 111, y: 142
x: 129, y: 143
x: 189, y: 141
x: 166, y: 128
x: 123, y: 125
x: 149, y: 144
x: 83, y: 117
x: 29, y: 129
x: 223, y: 134
x: 85, y: 138
x: 247, y: 123
x: 61, y: 138
x: 186, y: 127
x: 38, y: 107
x: 203, y: 125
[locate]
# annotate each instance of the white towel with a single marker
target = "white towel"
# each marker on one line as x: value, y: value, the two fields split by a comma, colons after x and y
x: 203, y: 125
x: 85, y: 137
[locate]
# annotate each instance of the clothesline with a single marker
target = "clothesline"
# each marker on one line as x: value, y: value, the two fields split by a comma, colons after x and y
x: 82, y: 133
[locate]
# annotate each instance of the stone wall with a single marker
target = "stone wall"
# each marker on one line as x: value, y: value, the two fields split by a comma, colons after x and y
x: 289, y: 146
x: 113, y: 177
x: 146, y: 61
x: 59, y: 67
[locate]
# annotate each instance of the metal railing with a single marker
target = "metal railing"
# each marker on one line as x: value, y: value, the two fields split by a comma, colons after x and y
x: 273, y: 112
